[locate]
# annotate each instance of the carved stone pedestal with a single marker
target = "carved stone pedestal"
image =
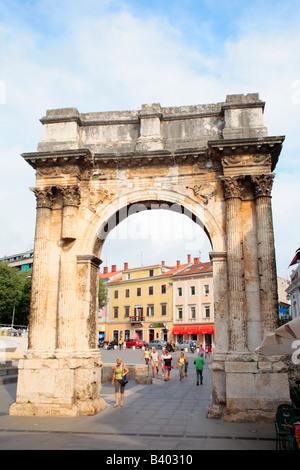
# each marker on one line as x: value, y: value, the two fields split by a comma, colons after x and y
x: 248, y: 389
x: 51, y: 386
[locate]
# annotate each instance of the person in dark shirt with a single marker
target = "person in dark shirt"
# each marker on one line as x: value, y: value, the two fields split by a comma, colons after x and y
x: 168, y: 365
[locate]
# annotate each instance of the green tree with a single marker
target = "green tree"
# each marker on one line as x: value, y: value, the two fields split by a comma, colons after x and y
x: 102, y: 294
x: 14, y: 295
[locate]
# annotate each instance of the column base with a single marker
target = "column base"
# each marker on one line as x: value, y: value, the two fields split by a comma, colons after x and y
x: 88, y: 408
x: 248, y: 390
x: 68, y: 386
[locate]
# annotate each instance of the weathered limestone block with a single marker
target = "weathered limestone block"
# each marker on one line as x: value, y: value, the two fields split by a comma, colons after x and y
x: 59, y: 387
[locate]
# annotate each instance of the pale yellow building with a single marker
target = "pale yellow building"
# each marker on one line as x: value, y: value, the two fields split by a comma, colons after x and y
x: 141, y: 303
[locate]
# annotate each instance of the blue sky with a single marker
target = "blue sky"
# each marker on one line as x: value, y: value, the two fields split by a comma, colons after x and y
x: 101, y: 55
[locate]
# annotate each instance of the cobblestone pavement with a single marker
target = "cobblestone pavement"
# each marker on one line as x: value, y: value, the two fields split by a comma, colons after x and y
x: 166, y: 416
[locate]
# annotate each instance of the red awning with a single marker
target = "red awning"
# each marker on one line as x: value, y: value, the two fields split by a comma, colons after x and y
x: 296, y: 258
x: 192, y: 330
x: 178, y: 330
x: 207, y: 329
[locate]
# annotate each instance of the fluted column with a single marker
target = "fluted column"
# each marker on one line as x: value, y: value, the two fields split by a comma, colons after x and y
x: 219, y: 262
x: 67, y: 304
x: 71, y: 201
x: 40, y: 274
x: 235, y: 264
x: 266, y: 251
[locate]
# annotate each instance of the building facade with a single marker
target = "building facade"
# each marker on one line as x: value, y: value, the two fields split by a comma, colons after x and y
x: 140, y: 304
x: 193, y: 303
x: 293, y: 292
x: 21, y: 261
x: 159, y: 302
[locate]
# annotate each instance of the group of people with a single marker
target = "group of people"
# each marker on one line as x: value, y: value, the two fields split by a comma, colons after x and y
x: 153, y: 359
x: 166, y: 362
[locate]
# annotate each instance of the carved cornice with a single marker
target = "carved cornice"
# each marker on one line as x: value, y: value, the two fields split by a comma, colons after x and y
x: 44, y: 197
x: 44, y: 160
x: 266, y: 150
x: 262, y: 185
x: 232, y: 186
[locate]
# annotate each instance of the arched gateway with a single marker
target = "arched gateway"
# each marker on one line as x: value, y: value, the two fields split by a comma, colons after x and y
x: 212, y: 162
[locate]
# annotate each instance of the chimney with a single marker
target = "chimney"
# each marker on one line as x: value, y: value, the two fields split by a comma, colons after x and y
x: 163, y: 263
x: 189, y: 258
x: 105, y: 271
x: 125, y: 266
x: 196, y: 260
x: 178, y: 264
x: 113, y: 268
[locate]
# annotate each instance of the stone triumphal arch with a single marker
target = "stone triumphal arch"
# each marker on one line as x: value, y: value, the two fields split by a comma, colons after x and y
x: 213, y: 162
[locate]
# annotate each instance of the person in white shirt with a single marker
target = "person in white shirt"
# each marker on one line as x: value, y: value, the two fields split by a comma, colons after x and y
x: 154, y: 360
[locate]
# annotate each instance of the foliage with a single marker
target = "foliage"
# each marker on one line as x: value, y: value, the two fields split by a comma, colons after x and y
x: 15, y: 292
x: 102, y: 294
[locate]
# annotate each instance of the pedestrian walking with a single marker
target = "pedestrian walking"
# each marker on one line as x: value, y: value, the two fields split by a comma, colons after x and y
x: 146, y: 356
x: 154, y: 360
x: 162, y: 362
x: 186, y: 366
x: 168, y: 365
x: 201, y: 350
x: 120, y: 371
x: 181, y: 366
x: 199, y: 363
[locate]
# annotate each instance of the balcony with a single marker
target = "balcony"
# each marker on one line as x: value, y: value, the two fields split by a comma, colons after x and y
x: 137, y: 319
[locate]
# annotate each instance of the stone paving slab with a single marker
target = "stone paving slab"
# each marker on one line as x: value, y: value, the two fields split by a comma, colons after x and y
x: 165, y: 415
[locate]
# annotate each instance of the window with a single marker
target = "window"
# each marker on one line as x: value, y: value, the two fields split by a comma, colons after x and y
x: 139, y: 291
x: 193, y: 290
x: 179, y: 313
x: 150, y: 311
x: 207, y: 311
x: 116, y: 294
x: 163, y: 288
x: 206, y: 289
x: 150, y: 290
x: 127, y: 276
x: 164, y: 309
x: 179, y: 291
x: 116, y: 312
x: 151, y: 273
x: 193, y: 313
x: 127, y: 293
x: 127, y: 312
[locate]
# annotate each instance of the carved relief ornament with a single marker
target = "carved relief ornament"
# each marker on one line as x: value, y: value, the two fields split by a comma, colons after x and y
x: 232, y: 186
x: 263, y: 184
x: 44, y: 197
x: 203, y: 192
x: 99, y: 196
x: 71, y: 195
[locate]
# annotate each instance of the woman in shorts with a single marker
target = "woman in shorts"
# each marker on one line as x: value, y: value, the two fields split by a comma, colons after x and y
x: 168, y: 365
x: 119, y: 372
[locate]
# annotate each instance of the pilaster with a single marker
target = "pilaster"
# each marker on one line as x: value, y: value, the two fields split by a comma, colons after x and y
x: 235, y: 261
x: 266, y: 251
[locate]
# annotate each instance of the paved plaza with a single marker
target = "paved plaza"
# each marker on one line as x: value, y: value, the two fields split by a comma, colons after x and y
x: 166, y: 416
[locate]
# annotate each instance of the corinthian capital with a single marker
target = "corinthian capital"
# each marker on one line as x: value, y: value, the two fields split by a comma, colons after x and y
x: 263, y: 184
x: 71, y: 195
x: 44, y: 197
x: 232, y: 186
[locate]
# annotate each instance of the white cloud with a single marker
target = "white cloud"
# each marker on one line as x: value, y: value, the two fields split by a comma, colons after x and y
x: 120, y: 61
